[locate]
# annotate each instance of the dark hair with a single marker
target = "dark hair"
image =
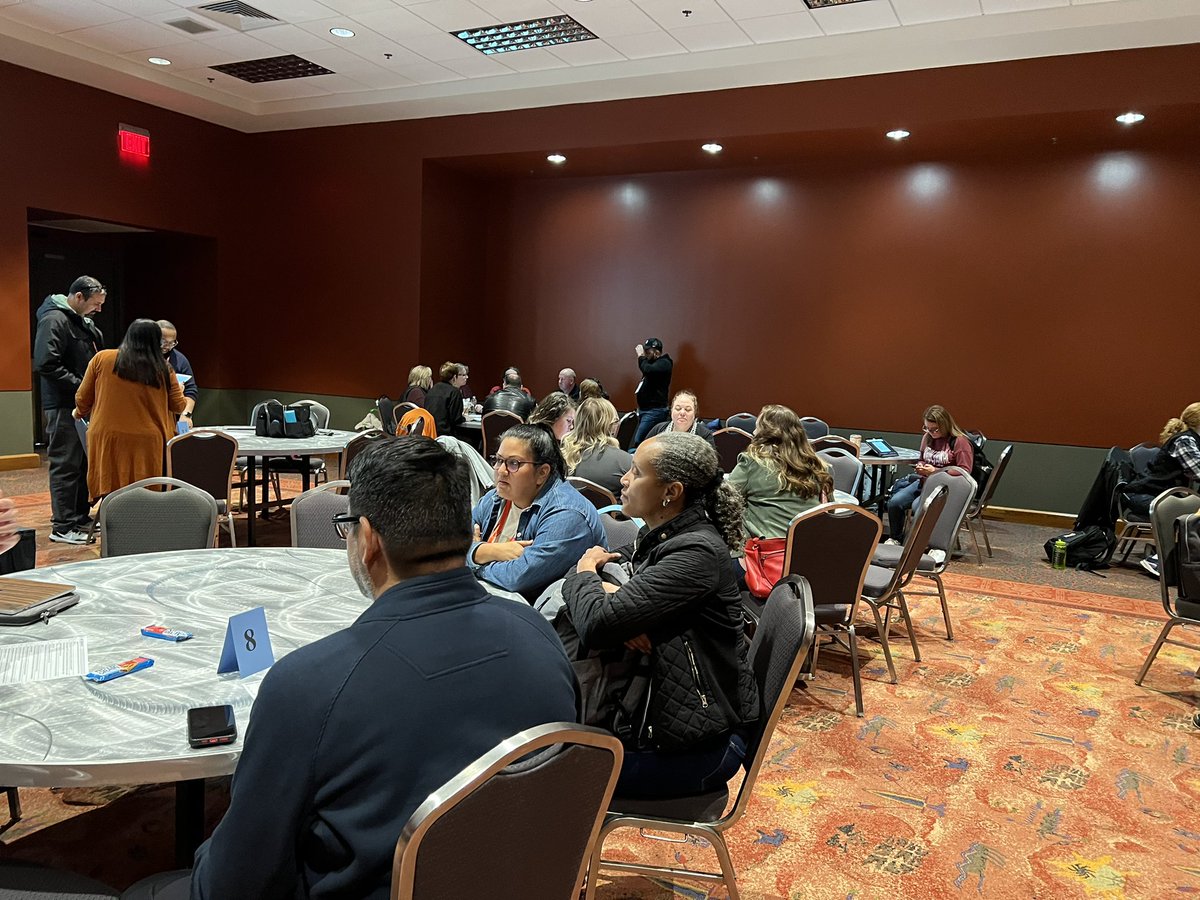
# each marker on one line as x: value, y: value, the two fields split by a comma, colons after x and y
x: 417, y: 497
x: 447, y: 371
x: 551, y: 408
x: 139, y: 358
x: 86, y: 285
x: 693, y: 462
x: 543, y: 445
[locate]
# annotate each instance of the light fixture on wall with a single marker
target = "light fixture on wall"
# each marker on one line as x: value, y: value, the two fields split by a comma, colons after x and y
x: 158, y: 61
x: 557, y: 158
x: 341, y: 32
x: 711, y: 147
x: 1130, y: 118
x: 898, y: 134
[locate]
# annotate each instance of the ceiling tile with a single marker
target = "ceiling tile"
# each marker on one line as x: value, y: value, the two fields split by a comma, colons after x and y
x: 57, y: 16
x: 355, y: 7
x: 518, y: 10
x: 586, y: 53
x: 210, y: 52
x: 855, y: 17
x: 343, y: 84
x: 439, y: 46
x: 366, y: 43
x: 714, y: 36
x: 143, y: 7
x: 429, y: 73
x: 749, y: 9
x: 611, y: 18
x: 790, y: 27
x: 294, y: 11
x: 640, y: 46
x: 534, y: 60
x: 292, y: 38
x: 397, y: 24
x: 131, y: 34
x: 477, y: 66
x: 451, y: 15
x: 1003, y: 6
x: 668, y: 13
x: 359, y: 69
x: 914, y: 12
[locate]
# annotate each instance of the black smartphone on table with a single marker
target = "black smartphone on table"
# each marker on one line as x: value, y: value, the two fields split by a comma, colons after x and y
x: 211, y: 726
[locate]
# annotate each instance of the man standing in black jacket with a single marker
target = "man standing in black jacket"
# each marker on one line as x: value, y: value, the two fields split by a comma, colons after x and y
x: 653, y: 393
x: 65, y: 343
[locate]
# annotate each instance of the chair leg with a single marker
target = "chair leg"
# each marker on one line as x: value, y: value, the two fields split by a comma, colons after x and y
x: 1162, y: 636
x: 883, y: 640
x: 986, y: 541
x: 14, y: 804
x: 912, y: 635
x: 937, y: 579
x: 232, y: 528
x: 854, y: 671
x: 727, y: 870
x: 975, y: 541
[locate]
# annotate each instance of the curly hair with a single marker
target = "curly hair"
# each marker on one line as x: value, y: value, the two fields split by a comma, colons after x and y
x: 781, y: 445
x: 1189, y: 418
x: 693, y: 462
x: 593, y: 429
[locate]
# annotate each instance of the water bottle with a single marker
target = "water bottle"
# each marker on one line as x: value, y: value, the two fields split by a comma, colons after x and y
x: 1060, y: 554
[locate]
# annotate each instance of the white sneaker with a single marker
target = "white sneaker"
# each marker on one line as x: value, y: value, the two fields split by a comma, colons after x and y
x: 69, y: 537
x: 1150, y: 564
x: 891, y: 542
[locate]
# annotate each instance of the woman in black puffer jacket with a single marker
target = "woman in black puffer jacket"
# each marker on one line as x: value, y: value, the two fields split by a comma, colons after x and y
x: 681, y: 606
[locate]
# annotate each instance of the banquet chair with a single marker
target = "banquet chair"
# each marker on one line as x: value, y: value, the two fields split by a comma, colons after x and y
x: 21, y: 880
x: 831, y: 546
x: 729, y: 443
x: 883, y: 588
x: 934, y: 559
x: 206, y: 459
x: 312, y: 516
x: 845, y: 467
x: 834, y: 441
x: 743, y: 420
x: 814, y: 427
x: 1135, y: 528
x: 980, y: 504
x: 780, y: 645
x: 529, y: 811
x: 626, y: 429
x: 416, y: 421
x: 493, y: 426
x: 134, y: 519
x: 357, y: 445
x: 246, y: 480
x: 598, y: 495
x: 387, y: 413
x: 1165, y: 509
x: 619, y: 531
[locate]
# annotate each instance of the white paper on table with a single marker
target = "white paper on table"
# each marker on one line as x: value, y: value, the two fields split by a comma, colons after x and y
x: 31, y: 661
x: 183, y: 379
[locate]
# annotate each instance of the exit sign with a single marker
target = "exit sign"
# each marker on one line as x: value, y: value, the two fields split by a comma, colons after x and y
x: 133, y: 141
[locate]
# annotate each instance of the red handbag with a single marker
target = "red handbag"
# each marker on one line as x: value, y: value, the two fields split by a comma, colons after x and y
x: 764, y: 564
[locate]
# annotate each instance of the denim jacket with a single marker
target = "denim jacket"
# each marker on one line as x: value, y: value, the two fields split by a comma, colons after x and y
x: 562, y: 524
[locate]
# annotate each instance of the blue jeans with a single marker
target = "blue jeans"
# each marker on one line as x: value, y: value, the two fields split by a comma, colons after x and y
x: 647, y: 419
x: 645, y: 773
x: 905, y: 496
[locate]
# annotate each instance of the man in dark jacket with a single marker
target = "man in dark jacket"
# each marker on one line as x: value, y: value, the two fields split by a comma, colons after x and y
x: 654, y: 391
x: 511, y: 397
x: 65, y: 343
x: 181, y: 366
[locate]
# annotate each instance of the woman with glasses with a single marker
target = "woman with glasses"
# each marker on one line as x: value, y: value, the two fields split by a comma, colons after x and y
x: 684, y: 408
x: 590, y: 451
x: 532, y: 527
x: 131, y: 396
x: 444, y: 400
x: 681, y: 608
x: 943, y: 444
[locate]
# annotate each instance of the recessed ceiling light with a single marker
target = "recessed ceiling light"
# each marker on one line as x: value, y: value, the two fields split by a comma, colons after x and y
x: 898, y: 135
x: 341, y: 32
x: 159, y: 61
x: 557, y: 158
x: 1130, y: 118
x: 712, y: 148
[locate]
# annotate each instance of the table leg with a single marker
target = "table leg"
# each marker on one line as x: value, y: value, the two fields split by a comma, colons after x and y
x: 304, y: 472
x: 251, y: 468
x: 189, y: 820
x: 266, y: 487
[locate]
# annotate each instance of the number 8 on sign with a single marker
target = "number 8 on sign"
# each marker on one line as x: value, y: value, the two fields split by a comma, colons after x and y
x: 247, y: 647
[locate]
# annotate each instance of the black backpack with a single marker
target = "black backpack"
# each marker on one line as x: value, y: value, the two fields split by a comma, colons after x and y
x: 981, y: 466
x: 278, y: 421
x: 1087, y: 548
x: 1187, y: 556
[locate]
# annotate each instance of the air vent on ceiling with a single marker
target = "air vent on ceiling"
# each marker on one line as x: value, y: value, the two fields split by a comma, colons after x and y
x: 191, y: 26
x: 546, y: 32
x: 273, y: 68
x: 235, y: 14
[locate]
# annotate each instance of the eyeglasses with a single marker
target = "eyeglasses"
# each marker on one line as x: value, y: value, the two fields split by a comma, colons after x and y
x: 511, y: 463
x: 170, y: 345
x: 343, y: 522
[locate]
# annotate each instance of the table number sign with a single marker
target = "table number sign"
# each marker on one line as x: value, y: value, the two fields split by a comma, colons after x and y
x: 247, y: 647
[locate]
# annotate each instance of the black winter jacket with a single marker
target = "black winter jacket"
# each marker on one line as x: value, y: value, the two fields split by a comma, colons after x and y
x: 62, y: 348
x: 682, y: 594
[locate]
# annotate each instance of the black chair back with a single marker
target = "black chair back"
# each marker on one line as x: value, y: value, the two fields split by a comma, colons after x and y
x: 626, y: 429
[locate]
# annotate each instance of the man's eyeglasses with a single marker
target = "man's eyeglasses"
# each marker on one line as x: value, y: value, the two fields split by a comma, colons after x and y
x: 343, y: 522
x: 511, y: 463
x: 170, y: 345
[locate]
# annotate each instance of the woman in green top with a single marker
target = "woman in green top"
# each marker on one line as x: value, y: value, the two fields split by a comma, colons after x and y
x: 780, y: 474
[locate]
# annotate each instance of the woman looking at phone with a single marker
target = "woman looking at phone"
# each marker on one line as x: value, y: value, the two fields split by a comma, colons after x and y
x: 943, y: 444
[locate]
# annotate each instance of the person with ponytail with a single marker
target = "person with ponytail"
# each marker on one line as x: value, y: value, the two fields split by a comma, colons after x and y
x: 681, y: 608
x: 1177, y: 463
x: 532, y: 526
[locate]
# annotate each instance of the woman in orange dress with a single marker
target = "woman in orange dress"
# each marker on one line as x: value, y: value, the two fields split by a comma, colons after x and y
x: 131, y: 396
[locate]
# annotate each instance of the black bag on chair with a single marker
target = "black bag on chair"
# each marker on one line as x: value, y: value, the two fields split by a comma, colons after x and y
x: 1187, y: 556
x: 279, y: 421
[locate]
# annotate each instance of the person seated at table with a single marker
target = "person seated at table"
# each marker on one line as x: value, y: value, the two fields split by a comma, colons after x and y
x: 556, y: 410
x: 684, y: 408
x: 512, y: 376
x: 132, y: 398
x: 592, y: 389
x: 681, y: 606
x: 444, y: 399
x: 779, y: 474
x: 590, y: 451
x: 532, y: 527
x: 943, y: 444
x: 510, y: 397
x: 420, y: 382
x: 351, y: 733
